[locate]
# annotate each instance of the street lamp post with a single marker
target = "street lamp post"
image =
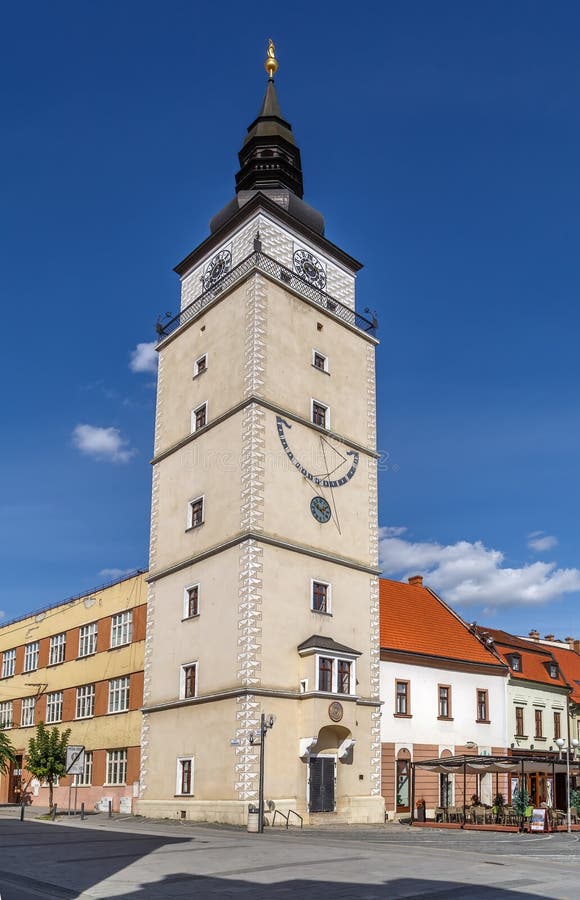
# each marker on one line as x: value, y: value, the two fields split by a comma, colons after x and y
x: 561, y: 746
x: 266, y: 722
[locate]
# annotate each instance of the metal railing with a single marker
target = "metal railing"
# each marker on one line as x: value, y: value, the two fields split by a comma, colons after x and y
x: 291, y: 812
x: 261, y: 262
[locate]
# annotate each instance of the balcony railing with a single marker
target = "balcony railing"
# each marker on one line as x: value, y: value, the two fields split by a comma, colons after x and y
x: 260, y: 262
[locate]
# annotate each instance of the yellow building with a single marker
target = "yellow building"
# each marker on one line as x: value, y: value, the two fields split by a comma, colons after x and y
x: 263, y: 574
x: 78, y: 665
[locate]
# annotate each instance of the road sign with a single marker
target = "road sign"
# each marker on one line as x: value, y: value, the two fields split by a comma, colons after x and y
x: 75, y: 759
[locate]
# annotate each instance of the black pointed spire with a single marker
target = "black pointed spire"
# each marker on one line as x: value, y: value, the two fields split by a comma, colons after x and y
x: 269, y: 157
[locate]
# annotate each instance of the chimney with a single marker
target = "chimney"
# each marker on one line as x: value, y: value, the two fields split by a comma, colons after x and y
x: 570, y: 642
x: 416, y: 580
x: 535, y: 635
x: 549, y: 637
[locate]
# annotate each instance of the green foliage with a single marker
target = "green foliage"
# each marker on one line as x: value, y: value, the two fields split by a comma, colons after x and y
x: 498, y: 800
x: 46, y: 757
x: 575, y: 798
x: 520, y: 801
x: 7, y: 754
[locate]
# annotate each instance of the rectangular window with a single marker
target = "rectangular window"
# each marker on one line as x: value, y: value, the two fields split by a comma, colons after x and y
x: 539, y: 723
x: 88, y: 639
x: 319, y: 361
x: 557, y: 725
x: 191, y: 601
x: 320, y: 597
x: 520, y: 721
x: 189, y: 680
x: 85, y: 779
x: 31, y: 657
x: 195, y: 513
x: 85, y: 705
x: 27, y: 713
x: 54, y: 707
x: 122, y: 628
x: 482, y: 706
x: 57, y: 649
x: 8, y: 663
x: 119, y: 694
x: 402, y: 705
x: 320, y: 414
x: 324, y: 674
x: 199, y: 417
x: 200, y: 365
x: 6, y: 714
x: 116, y: 766
x: 444, y: 701
x: 184, y: 783
x: 343, y: 676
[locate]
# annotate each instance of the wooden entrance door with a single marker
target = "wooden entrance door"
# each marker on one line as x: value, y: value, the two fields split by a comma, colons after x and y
x: 322, y: 781
x: 15, y: 781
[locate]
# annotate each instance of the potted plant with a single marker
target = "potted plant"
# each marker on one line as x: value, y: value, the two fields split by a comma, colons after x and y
x: 497, y: 808
x: 421, y: 810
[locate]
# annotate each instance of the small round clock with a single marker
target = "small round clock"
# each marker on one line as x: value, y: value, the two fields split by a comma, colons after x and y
x: 320, y: 509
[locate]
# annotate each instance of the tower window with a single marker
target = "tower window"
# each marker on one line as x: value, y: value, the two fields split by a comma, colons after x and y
x: 199, y: 417
x: 184, y: 783
x: 200, y: 365
x: 191, y: 602
x: 320, y: 414
x: 319, y: 361
x: 320, y: 597
x: 195, y: 513
x: 188, y: 687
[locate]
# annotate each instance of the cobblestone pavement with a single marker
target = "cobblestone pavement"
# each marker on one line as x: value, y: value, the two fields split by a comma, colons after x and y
x: 141, y: 860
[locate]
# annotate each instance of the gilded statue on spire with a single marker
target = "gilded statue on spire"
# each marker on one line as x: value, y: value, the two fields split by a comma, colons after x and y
x: 271, y: 63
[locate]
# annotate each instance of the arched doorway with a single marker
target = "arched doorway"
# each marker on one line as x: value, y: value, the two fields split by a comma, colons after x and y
x: 403, y: 781
x: 332, y: 742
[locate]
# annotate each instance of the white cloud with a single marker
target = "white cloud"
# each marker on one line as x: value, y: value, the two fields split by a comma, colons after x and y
x: 393, y: 530
x: 144, y: 358
x: 102, y: 444
x: 472, y: 574
x: 115, y: 573
x: 539, y: 541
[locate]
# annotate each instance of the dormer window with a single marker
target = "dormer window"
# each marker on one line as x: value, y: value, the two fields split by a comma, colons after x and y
x: 553, y: 669
x: 515, y: 662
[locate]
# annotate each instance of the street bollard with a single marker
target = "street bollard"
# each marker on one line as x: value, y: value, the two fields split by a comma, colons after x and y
x: 53, y: 813
x: 110, y: 809
x: 82, y: 812
x: 22, y: 812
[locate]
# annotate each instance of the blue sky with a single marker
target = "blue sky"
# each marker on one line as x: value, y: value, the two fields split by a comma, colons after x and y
x: 441, y: 141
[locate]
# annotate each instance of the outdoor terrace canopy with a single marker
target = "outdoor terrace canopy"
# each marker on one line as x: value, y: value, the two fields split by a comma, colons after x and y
x: 480, y: 765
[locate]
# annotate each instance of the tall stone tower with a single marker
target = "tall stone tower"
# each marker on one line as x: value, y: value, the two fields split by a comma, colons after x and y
x: 263, y: 575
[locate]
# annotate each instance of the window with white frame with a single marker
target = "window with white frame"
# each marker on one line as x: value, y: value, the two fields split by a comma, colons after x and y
x: 335, y: 675
x: 199, y: 417
x: 85, y: 705
x: 57, y: 649
x: 319, y: 361
x: 188, y: 681
x: 184, y: 780
x: 27, y: 711
x: 85, y: 779
x: 8, y: 663
x: 320, y: 414
x: 200, y: 365
x: 191, y: 601
x: 88, y: 639
x: 54, y: 707
x: 195, y: 512
x: 31, y: 656
x: 320, y: 596
x: 6, y: 714
x: 122, y: 628
x: 119, y: 694
x: 116, y: 767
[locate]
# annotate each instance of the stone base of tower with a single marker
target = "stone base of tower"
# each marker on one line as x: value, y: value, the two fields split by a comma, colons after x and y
x: 350, y: 811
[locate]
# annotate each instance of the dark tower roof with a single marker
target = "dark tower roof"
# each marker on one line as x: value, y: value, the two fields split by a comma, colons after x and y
x: 270, y: 162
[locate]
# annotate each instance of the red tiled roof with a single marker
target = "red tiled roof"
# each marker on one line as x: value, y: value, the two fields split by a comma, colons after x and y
x: 415, y: 620
x: 535, y: 657
x: 569, y: 662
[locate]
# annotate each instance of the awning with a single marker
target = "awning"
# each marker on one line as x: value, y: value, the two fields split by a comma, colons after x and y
x: 480, y: 765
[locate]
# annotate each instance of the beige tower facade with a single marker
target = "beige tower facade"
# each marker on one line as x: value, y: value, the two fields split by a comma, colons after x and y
x: 263, y: 582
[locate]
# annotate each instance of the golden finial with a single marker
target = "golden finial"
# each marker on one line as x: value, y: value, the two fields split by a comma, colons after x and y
x: 271, y: 64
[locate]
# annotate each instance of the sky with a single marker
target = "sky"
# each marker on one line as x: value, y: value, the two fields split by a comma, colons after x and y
x: 441, y: 141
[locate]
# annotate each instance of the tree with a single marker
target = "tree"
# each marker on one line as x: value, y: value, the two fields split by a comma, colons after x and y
x: 46, y: 757
x: 7, y: 754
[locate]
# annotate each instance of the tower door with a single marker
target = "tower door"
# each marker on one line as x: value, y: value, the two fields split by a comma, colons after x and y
x: 322, y: 781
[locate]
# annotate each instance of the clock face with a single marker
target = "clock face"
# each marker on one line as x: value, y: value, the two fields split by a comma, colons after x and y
x: 311, y: 269
x: 337, y: 466
x: 320, y: 509
x: 219, y: 266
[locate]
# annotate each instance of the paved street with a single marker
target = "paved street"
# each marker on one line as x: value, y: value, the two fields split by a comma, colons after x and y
x: 141, y: 861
